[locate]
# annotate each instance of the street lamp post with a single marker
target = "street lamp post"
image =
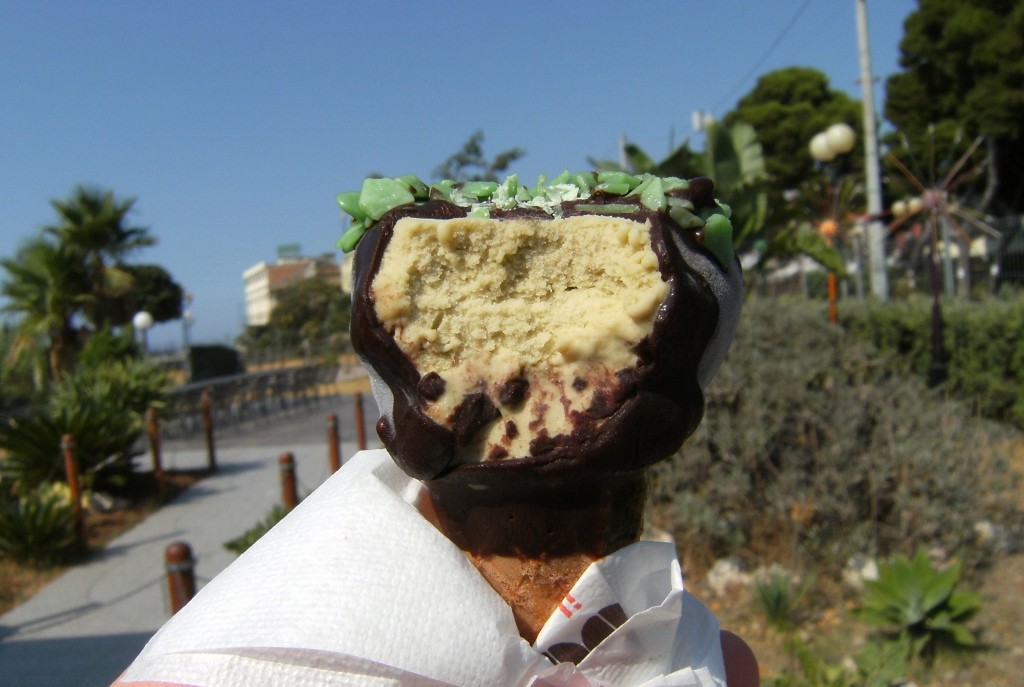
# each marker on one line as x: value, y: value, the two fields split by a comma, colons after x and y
x: 825, y: 147
x: 187, y: 318
x: 142, y: 322
x: 872, y: 165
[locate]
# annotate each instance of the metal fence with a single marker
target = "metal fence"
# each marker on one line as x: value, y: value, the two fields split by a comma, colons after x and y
x: 245, y: 397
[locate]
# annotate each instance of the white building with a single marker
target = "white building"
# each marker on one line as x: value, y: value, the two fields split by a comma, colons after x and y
x: 264, y: 281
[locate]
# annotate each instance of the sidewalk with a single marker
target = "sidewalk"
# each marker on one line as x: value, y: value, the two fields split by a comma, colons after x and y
x: 88, y: 624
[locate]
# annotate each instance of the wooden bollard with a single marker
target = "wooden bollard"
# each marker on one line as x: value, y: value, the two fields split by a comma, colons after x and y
x: 211, y: 452
x: 181, y: 574
x: 153, y: 429
x: 333, y: 443
x: 289, y: 488
x: 360, y: 429
x: 71, y: 471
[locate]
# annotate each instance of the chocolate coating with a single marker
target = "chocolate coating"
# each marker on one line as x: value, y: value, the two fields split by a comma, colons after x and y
x: 641, y: 419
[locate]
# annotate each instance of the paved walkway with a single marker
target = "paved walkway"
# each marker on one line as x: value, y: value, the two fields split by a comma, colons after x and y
x: 87, y: 625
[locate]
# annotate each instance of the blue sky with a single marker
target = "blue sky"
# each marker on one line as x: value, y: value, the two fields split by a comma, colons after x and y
x: 234, y: 124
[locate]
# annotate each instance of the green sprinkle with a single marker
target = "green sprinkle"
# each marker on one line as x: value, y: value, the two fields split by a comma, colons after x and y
x: 618, y: 178
x: 418, y: 189
x: 480, y: 211
x: 684, y: 218
x: 349, y: 203
x: 674, y: 184
x: 350, y: 238
x: 442, y: 189
x: 584, y: 182
x: 726, y: 209
x: 676, y: 202
x: 523, y: 195
x: 718, y: 239
x: 480, y: 190
x: 562, y: 178
x: 540, y: 188
x: 616, y: 188
x: 653, y: 196
x: 380, y: 195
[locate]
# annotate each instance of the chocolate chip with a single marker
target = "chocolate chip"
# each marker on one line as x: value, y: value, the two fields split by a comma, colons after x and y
x: 511, y: 431
x: 513, y: 391
x: 472, y: 415
x: 431, y: 386
x: 497, y: 453
x: 579, y: 384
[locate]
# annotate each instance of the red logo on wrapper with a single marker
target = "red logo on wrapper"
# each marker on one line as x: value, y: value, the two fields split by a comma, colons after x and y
x: 569, y: 605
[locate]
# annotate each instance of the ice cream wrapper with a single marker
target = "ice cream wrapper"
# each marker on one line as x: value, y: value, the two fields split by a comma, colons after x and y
x: 355, y: 587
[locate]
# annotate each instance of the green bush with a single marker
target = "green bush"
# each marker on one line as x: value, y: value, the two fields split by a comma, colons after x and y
x: 778, y: 594
x: 102, y: 407
x: 815, y: 448
x: 877, y: 664
x: 37, y: 528
x: 241, y: 543
x: 984, y: 343
x: 103, y: 437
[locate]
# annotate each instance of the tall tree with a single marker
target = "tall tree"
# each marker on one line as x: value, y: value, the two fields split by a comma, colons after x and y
x: 93, y: 225
x: 787, y: 107
x: 963, y: 72
x: 45, y: 288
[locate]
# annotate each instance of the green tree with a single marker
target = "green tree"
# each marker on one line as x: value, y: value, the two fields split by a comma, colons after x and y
x: 153, y: 289
x: 470, y: 164
x: 787, y: 107
x: 93, y: 226
x: 72, y: 280
x: 45, y: 289
x: 313, y: 309
x: 963, y: 70
x: 312, y: 312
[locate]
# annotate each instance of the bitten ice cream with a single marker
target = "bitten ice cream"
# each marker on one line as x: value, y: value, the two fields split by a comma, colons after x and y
x: 534, y: 349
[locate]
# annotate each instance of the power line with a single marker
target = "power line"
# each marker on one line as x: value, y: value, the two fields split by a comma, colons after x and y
x: 764, y: 58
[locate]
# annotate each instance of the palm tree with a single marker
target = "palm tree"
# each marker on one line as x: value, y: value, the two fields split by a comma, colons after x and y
x: 46, y: 286
x: 92, y: 225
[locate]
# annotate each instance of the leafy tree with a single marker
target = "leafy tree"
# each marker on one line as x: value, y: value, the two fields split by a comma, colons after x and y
x: 963, y: 69
x: 469, y: 163
x: 314, y: 311
x: 153, y: 290
x: 92, y: 225
x: 74, y: 275
x: 787, y: 107
x: 45, y: 288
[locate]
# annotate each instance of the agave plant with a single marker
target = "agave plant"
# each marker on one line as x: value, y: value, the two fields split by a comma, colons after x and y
x: 912, y: 598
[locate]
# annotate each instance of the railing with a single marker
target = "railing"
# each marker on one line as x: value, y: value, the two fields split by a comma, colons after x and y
x: 244, y: 397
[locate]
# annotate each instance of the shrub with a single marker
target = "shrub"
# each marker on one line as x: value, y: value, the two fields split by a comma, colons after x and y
x: 815, y: 448
x: 102, y: 407
x: 242, y: 543
x: 984, y: 342
x: 777, y: 594
x: 37, y: 528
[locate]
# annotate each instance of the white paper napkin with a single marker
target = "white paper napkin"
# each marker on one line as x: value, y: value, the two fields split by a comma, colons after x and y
x: 355, y: 587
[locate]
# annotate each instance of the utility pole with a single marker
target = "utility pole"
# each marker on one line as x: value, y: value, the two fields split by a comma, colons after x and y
x: 876, y: 230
